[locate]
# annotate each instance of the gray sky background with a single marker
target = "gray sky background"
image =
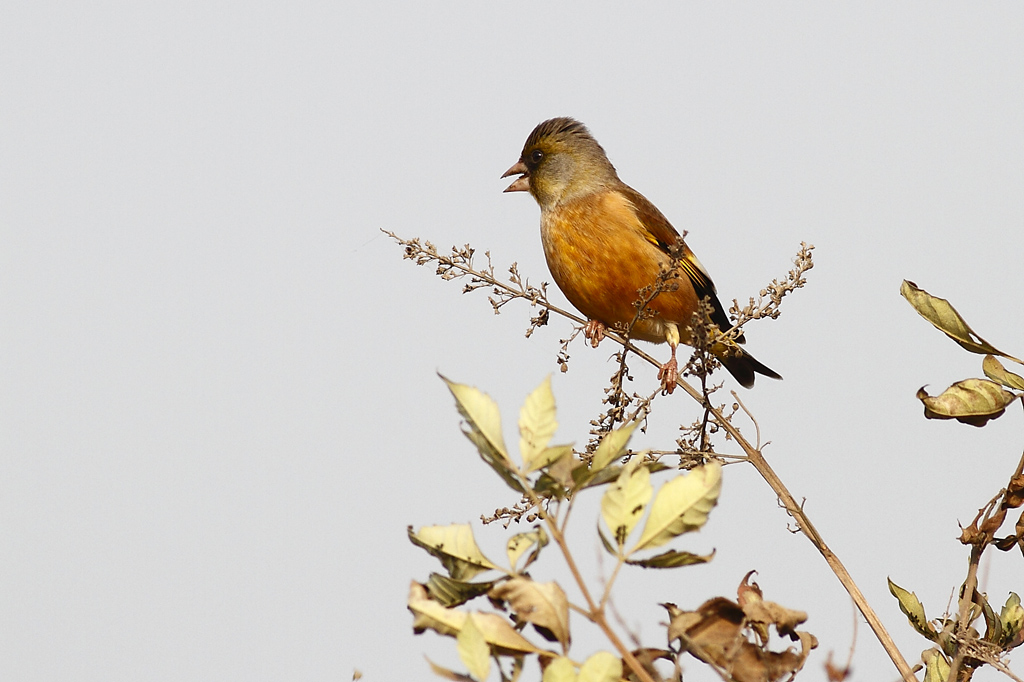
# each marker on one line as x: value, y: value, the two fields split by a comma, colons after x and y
x: 218, y: 402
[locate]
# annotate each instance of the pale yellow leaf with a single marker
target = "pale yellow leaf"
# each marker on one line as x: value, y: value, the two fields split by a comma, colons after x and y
x: 501, y: 635
x: 474, y: 650
x: 549, y: 456
x: 936, y: 666
x: 682, y: 505
x: 601, y: 667
x: 560, y: 670
x: 625, y: 501
x: 455, y: 547
x: 612, y: 446
x: 543, y: 604
x: 481, y: 413
x: 520, y: 543
x: 537, y: 423
x: 430, y: 615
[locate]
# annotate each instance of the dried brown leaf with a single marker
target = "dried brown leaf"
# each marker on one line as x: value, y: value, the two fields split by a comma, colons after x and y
x: 971, y: 401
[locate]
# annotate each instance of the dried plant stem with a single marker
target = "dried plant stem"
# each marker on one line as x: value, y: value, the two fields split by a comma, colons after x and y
x: 595, y: 611
x: 966, y: 613
x: 755, y: 457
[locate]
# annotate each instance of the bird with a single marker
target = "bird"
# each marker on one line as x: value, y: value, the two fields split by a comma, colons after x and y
x: 606, y: 246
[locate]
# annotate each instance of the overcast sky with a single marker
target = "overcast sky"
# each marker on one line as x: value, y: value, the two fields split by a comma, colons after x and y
x: 219, y: 407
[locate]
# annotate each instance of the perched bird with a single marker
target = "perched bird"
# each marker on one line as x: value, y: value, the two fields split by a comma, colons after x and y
x: 604, y: 243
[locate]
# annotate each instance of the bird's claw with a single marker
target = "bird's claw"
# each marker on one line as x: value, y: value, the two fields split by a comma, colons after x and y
x: 594, y: 332
x: 668, y: 374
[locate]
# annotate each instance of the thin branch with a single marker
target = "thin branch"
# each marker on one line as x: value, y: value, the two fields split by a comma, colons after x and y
x: 775, y: 293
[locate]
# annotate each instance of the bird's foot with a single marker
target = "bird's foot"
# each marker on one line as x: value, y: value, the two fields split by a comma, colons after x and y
x: 594, y: 332
x: 668, y: 374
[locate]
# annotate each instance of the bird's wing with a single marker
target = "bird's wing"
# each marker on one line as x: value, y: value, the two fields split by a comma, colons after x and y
x: 659, y: 231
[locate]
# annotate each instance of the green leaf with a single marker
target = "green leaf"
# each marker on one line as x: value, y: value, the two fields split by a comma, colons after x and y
x: 474, y: 651
x: 560, y: 670
x: 946, y: 319
x: 455, y: 547
x: 971, y: 401
x: 913, y: 609
x: 625, y: 501
x: 519, y: 544
x: 601, y: 667
x: 537, y: 422
x: 682, y: 505
x: 671, y: 559
x: 612, y: 446
x: 995, y: 371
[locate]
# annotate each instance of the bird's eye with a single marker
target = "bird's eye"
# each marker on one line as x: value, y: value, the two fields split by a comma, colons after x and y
x: 536, y: 156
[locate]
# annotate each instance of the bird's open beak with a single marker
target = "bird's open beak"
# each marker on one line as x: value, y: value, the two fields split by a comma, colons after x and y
x: 522, y: 183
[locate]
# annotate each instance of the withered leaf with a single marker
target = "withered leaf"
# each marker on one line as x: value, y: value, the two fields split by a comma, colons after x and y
x: 995, y: 371
x: 714, y: 634
x: 543, y: 604
x: 672, y: 559
x: 946, y: 319
x: 971, y: 401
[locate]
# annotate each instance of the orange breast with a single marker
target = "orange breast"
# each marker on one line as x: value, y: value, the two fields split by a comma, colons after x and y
x: 600, y: 259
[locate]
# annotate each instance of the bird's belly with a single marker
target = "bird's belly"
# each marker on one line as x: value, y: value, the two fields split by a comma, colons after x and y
x: 602, y: 267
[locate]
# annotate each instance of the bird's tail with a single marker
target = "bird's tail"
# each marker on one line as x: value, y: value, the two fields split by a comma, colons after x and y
x: 742, y: 365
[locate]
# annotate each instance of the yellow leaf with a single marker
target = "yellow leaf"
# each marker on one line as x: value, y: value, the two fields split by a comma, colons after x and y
x: 473, y: 650
x: 625, y: 501
x: 549, y: 456
x: 612, y: 446
x: 682, y: 505
x: 484, y: 421
x: 497, y: 632
x: 601, y: 667
x: 518, y: 544
x: 537, y: 422
x: 995, y: 371
x: 481, y: 412
x: 971, y: 401
x: 946, y: 319
x: 560, y: 670
x: 936, y: 666
x: 455, y: 547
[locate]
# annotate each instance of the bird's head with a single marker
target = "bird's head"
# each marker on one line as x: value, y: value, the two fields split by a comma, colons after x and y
x: 561, y: 161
